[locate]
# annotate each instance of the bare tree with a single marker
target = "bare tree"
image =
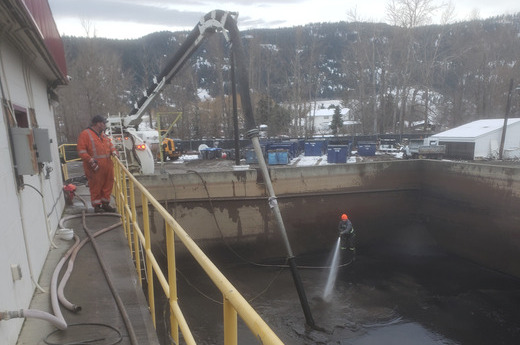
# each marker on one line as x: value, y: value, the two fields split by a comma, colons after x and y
x: 408, y: 14
x: 411, y: 13
x: 97, y: 87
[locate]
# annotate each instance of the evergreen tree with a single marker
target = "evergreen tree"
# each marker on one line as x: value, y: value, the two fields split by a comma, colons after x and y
x: 276, y: 117
x: 337, y: 121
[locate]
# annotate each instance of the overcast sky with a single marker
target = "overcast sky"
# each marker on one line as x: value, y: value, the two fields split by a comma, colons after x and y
x: 136, y: 18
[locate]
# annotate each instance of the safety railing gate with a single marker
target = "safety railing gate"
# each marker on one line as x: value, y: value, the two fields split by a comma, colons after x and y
x: 68, y: 154
x: 234, y: 303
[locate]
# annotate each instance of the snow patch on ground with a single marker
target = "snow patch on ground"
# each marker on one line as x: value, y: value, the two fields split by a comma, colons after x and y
x: 303, y: 160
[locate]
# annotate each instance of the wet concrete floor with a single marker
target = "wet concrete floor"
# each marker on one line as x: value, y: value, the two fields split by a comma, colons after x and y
x: 100, y: 321
x: 400, y: 290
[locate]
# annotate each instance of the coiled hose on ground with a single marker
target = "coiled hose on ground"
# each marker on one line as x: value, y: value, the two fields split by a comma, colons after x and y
x: 57, y: 290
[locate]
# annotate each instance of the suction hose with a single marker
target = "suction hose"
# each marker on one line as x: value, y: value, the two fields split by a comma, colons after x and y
x: 56, y: 319
x: 77, y: 247
x: 56, y: 291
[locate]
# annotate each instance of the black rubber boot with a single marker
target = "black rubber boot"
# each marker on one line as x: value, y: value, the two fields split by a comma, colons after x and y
x: 106, y: 207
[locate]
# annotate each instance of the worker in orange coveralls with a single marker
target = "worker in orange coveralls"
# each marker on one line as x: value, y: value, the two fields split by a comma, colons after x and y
x: 95, y: 149
x: 347, y: 235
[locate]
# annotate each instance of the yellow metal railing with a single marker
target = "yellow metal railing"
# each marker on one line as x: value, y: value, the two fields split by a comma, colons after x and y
x: 64, y: 159
x: 139, y: 234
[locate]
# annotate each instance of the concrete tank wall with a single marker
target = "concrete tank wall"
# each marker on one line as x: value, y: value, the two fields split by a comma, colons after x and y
x: 471, y: 209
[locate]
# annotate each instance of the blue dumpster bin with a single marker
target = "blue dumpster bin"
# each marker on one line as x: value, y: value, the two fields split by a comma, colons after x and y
x: 290, y: 146
x: 251, y: 156
x: 315, y: 148
x: 338, y: 153
x: 278, y: 157
x: 367, y: 148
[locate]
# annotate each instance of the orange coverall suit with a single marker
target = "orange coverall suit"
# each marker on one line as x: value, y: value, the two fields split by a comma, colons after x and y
x: 99, y: 147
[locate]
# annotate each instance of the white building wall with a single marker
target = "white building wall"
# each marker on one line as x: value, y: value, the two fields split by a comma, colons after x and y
x: 485, y: 145
x: 488, y: 145
x: 486, y: 135
x: 13, y: 294
x: 512, y: 143
x: 513, y: 136
x: 25, y: 211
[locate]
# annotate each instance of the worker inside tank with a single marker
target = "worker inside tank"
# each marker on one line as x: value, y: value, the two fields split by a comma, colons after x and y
x: 347, y: 235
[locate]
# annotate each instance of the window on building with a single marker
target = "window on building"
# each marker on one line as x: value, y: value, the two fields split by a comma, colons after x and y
x: 20, y: 115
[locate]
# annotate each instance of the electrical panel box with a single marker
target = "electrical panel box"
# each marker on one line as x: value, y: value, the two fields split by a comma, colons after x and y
x: 24, y: 151
x: 43, y: 144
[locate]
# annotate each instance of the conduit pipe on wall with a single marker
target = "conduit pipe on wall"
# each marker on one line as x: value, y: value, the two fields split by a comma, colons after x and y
x: 47, y: 223
x: 27, y: 255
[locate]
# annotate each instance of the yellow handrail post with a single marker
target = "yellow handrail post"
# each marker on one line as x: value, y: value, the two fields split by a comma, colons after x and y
x: 64, y: 168
x: 172, y: 280
x: 234, y: 303
x: 117, y: 179
x: 124, y: 212
x: 230, y: 324
x: 148, y: 251
x: 133, y: 221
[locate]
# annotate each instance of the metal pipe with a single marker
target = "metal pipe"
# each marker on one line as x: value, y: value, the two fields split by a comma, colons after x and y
x: 247, y: 108
x: 273, y: 204
x: 235, y: 110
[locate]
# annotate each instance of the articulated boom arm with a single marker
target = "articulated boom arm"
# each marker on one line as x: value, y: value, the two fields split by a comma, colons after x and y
x: 215, y: 21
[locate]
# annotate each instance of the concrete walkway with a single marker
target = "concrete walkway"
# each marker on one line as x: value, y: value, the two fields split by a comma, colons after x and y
x: 100, y: 321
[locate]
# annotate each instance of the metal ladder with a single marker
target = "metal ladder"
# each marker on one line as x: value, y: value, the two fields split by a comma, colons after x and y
x: 115, y: 133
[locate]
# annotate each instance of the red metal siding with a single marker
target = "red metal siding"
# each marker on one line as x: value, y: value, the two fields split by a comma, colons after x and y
x: 42, y: 16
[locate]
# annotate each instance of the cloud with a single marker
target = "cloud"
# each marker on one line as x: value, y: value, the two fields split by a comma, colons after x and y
x: 154, y: 12
x: 135, y: 18
x: 140, y: 12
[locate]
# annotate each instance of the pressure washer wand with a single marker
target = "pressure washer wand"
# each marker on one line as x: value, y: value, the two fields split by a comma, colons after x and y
x: 273, y: 203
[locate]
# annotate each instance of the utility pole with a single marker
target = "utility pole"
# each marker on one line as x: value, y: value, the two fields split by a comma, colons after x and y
x: 504, y: 128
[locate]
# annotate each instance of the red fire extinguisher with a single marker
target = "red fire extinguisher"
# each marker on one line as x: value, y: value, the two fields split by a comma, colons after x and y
x: 69, y: 192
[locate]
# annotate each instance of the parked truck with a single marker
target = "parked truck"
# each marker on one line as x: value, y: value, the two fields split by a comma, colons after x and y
x: 171, y: 149
x: 419, y: 148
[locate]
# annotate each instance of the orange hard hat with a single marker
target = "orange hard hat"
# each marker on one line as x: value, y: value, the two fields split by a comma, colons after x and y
x: 344, y: 216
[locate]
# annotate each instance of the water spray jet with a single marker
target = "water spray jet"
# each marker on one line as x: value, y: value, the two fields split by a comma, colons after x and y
x: 333, y: 273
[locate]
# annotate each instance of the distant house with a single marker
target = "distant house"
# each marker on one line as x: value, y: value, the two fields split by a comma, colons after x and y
x: 418, y: 126
x: 32, y: 61
x: 322, y: 119
x: 481, y: 139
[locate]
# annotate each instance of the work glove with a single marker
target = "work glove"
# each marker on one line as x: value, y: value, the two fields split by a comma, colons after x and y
x: 93, y: 164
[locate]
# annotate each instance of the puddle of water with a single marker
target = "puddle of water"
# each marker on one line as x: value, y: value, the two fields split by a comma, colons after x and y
x: 400, y: 334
